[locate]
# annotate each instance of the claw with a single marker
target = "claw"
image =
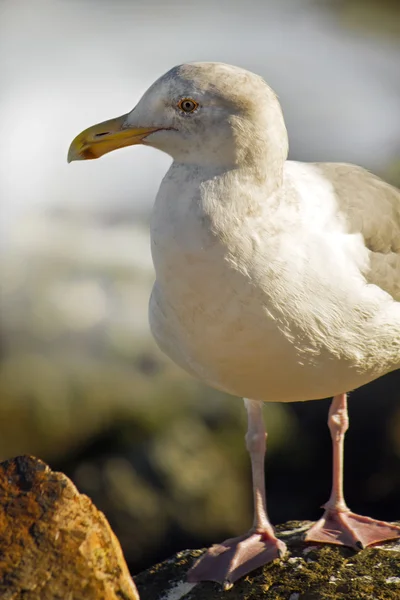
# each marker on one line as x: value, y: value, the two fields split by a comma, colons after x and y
x: 227, y: 585
x: 359, y: 545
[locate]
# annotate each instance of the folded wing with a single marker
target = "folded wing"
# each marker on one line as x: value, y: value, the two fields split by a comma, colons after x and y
x: 371, y: 207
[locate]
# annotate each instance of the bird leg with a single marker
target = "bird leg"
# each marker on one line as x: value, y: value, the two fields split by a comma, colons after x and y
x: 338, y: 524
x: 230, y: 560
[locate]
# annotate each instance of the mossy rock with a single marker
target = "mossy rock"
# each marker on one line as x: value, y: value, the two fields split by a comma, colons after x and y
x: 54, y: 543
x: 308, y: 572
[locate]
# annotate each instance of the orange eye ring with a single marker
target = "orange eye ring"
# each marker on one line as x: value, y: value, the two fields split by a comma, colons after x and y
x: 188, y: 105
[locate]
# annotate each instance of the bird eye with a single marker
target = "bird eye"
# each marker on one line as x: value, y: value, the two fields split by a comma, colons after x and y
x: 187, y: 105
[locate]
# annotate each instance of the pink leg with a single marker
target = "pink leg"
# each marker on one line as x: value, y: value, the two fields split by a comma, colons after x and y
x: 230, y: 560
x: 338, y: 524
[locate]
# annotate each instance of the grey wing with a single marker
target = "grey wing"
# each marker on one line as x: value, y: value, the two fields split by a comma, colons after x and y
x: 371, y: 207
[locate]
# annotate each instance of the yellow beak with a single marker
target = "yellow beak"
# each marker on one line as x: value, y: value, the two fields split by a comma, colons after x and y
x: 105, y: 137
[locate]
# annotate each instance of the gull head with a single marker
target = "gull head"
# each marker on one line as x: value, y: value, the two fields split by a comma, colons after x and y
x: 198, y: 113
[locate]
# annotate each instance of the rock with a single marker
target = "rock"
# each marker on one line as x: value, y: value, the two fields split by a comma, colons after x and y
x: 308, y: 572
x: 54, y: 543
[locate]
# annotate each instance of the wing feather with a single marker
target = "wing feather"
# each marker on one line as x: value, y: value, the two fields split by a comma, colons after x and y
x: 371, y: 207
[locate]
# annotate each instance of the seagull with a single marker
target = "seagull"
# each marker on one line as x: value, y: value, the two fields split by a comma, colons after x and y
x: 276, y: 280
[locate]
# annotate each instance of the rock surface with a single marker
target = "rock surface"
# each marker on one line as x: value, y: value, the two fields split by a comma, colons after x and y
x: 54, y: 543
x: 308, y: 572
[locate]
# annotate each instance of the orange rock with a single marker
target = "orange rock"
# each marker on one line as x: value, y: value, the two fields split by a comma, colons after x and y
x: 54, y: 543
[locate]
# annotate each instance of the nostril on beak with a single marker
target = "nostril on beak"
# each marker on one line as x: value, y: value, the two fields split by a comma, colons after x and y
x: 101, y: 134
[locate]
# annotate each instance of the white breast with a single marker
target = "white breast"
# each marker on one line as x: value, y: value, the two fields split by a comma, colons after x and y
x: 269, y: 305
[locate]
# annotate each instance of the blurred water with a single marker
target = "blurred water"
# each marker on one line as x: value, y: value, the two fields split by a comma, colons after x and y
x: 65, y: 64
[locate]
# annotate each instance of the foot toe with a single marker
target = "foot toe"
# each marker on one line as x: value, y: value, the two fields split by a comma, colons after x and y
x: 225, y: 563
x: 349, y: 529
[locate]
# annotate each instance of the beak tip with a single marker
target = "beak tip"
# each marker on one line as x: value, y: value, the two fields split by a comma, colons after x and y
x: 74, y: 154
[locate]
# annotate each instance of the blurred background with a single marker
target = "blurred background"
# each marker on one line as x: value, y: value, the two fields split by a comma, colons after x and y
x: 82, y: 384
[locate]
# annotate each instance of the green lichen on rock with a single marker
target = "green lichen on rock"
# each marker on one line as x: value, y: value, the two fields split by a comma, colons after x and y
x: 308, y: 572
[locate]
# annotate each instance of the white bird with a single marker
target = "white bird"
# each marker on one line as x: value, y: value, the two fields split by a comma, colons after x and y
x: 276, y: 281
